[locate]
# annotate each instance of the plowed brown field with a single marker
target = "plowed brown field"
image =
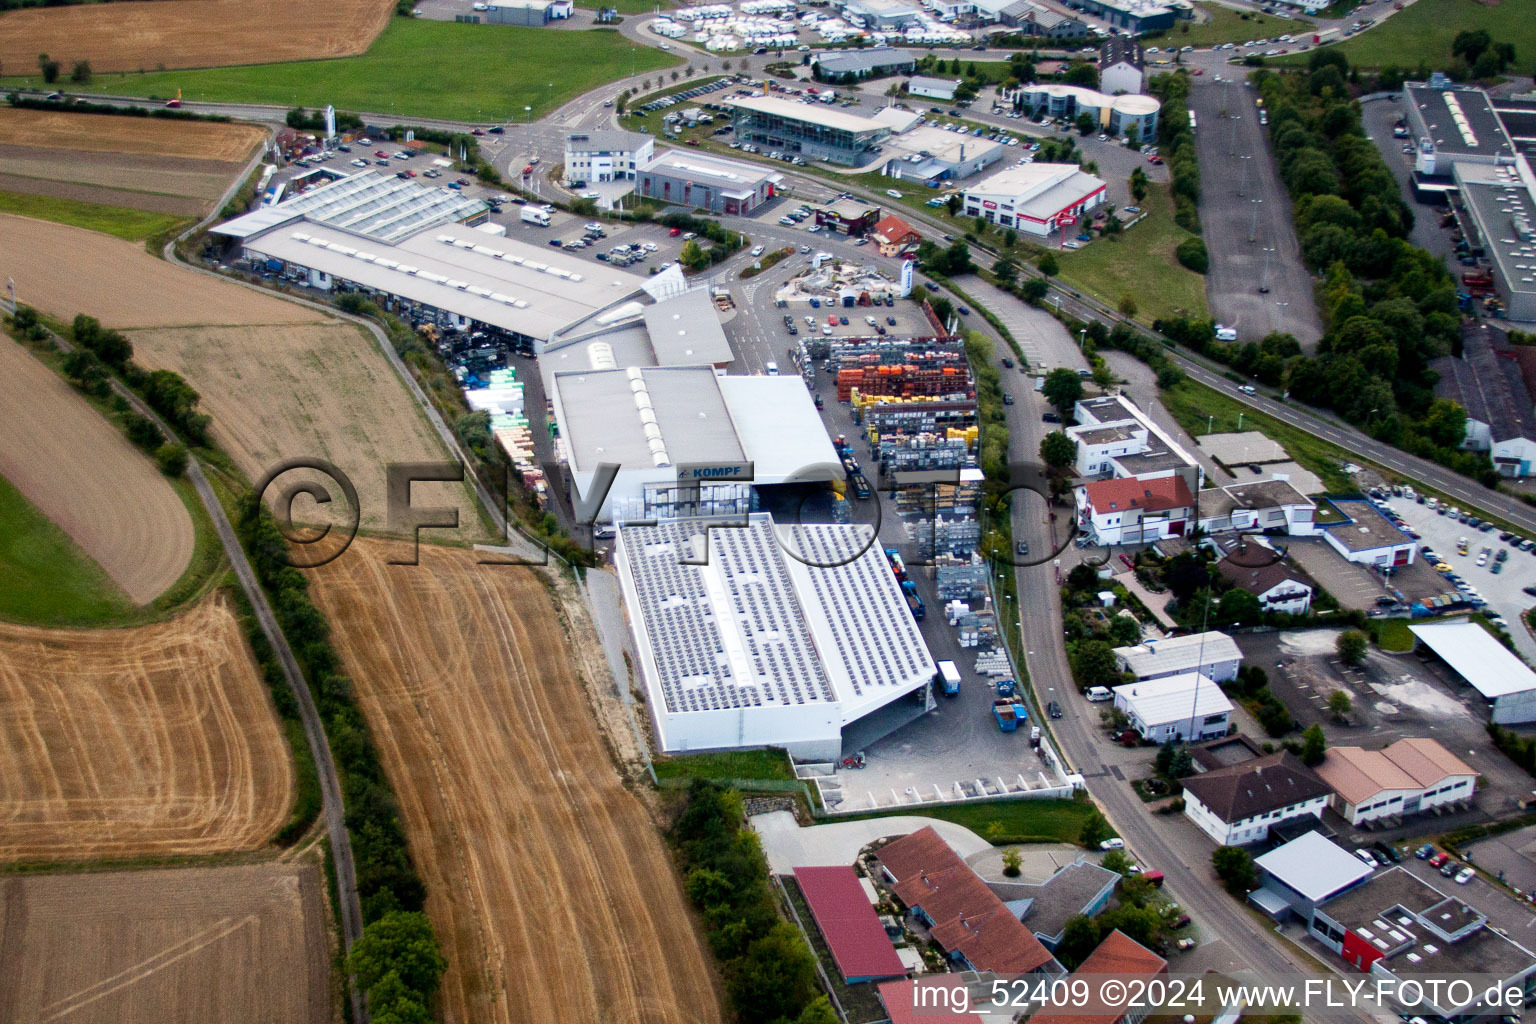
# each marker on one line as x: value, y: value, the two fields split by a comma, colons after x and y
x: 232, y: 945
x: 65, y: 270
x: 189, y: 33
x: 314, y: 390
x: 104, y: 133
x: 547, y: 881
x: 158, y: 740
x: 82, y: 473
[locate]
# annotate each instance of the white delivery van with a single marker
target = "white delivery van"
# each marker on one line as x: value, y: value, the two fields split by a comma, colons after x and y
x: 534, y: 215
x: 1098, y: 694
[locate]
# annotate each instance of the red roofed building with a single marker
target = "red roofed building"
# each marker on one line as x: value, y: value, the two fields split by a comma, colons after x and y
x: 849, y: 924
x: 893, y: 234
x: 1133, y: 510
x: 963, y: 915
x: 925, y: 1001
x: 1120, y: 957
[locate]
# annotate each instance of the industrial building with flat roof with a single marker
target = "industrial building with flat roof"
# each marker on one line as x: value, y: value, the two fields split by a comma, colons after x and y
x: 871, y: 62
x: 1036, y: 198
x: 450, y: 274
x: 383, y: 208
x: 1187, y: 707
x: 1367, y: 536
x: 1490, y: 668
x: 1453, y: 124
x: 752, y: 635
x: 813, y: 131
x: 700, y: 181
x: 1134, y: 16
x: 929, y: 154
x: 1500, y: 201
x: 1398, y: 925
x: 1298, y: 876
x: 654, y: 422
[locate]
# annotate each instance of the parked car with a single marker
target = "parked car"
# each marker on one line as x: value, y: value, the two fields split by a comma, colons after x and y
x: 1113, y: 844
x: 1464, y: 876
x: 1439, y: 859
x: 1424, y: 852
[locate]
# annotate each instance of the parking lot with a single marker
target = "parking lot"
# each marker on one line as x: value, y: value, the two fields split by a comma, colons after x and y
x: 1502, y: 589
x: 1510, y: 857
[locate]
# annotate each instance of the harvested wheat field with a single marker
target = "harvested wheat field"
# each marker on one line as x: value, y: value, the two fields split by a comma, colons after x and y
x: 82, y: 473
x: 547, y: 881
x: 236, y: 945
x: 166, y: 166
x: 315, y: 390
x: 64, y: 270
x: 153, y: 741
x: 190, y: 33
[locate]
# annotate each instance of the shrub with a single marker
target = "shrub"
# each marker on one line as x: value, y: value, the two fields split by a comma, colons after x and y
x: 1192, y: 254
x: 172, y: 459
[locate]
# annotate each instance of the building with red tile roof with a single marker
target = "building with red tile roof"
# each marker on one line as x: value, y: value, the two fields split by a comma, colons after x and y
x: 963, y: 914
x: 849, y: 923
x: 1120, y: 957
x: 893, y: 234
x: 1135, y: 510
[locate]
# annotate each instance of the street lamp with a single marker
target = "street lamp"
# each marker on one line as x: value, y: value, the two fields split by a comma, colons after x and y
x: 1242, y: 184
x: 1253, y: 229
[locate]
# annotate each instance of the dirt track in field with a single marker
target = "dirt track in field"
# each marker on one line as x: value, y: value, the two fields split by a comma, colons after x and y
x: 64, y: 270
x: 82, y: 473
x: 159, y: 740
x: 314, y: 390
x: 548, y: 882
x: 232, y: 945
x: 145, y: 136
x: 189, y: 33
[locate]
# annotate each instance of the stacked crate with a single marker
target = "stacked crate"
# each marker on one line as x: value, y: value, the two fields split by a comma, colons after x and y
x: 960, y: 579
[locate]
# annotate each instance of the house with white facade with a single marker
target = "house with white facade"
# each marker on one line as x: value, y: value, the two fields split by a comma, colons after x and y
x: 607, y: 155
x: 1261, y: 571
x: 1407, y: 777
x: 1213, y: 654
x: 1121, y: 67
x: 933, y: 88
x: 1188, y: 707
x: 1131, y: 510
x: 1238, y: 805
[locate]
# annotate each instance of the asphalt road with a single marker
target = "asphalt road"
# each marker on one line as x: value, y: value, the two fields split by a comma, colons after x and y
x: 1246, y: 216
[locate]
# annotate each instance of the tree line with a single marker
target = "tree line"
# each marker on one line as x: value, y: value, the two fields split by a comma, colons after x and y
x: 770, y: 972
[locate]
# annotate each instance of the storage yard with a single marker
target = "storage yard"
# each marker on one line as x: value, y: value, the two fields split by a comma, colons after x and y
x: 321, y: 390
x: 84, y: 475
x: 548, y: 884
x: 178, y: 167
x: 238, y: 945
x: 190, y: 33
x: 156, y: 741
x: 122, y: 285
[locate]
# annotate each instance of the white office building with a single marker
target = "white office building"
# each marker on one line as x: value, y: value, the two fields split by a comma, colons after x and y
x: 1189, y: 707
x: 608, y: 155
x: 756, y: 635
x: 1238, y: 805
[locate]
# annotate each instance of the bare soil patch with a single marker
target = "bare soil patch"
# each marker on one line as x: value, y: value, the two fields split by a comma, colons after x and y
x: 103, y: 195
x: 159, y: 740
x: 146, y: 136
x: 237, y: 945
x: 65, y: 270
x: 547, y: 880
x: 320, y: 390
x: 81, y: 472
x: 190, y: 33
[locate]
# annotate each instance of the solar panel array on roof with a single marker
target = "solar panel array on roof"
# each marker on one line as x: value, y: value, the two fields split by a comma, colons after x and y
x: 871, y: 627
x: 387, y: 209
x: 747, y: 581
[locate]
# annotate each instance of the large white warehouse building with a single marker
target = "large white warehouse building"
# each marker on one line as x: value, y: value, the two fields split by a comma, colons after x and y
x: 757, y: 635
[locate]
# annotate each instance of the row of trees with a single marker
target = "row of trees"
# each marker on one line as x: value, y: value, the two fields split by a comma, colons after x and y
x: 1176, y: 145
x: 51, y: 69
x: 1389, y: 308
x: 770, y: 972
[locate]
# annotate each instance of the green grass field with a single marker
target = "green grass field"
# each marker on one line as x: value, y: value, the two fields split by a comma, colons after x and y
x: 132, y: 225
x: 729, y: 764
x: 1395, y: 636
x: 1013, y: 821
x: 1140, y: 262
x: 426, y: 68
x: 1202, y: 410
x: 1422, y: 33
x: 45, y: 579
x: 1227, y: 26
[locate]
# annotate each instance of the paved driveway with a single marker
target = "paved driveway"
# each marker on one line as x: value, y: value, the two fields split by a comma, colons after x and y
x: 788, y: 846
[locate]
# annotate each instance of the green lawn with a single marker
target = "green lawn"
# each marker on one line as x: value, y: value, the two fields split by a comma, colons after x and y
x: 1202, y: 410
x: 1011, y: 821
x: 132, y: 225
x: 45, y: 579
x: 1228, y: 26
x: 1394, y: 635
x: 729, y: 764
x: 426, y: 68
x: 1140, y: 262
x: 1422, y: 33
